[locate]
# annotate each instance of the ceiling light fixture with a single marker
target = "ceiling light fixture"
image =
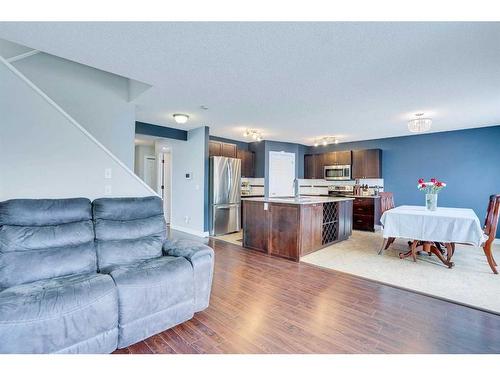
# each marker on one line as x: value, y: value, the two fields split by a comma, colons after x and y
x: 325, y: 141
x: 419, y: 124
x: 180, y: 118
x: 254, y: 134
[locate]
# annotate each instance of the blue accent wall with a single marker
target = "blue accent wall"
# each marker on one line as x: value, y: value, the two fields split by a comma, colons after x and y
x: 467, y: 160
x: 160, y: 131
x: 260, y: 157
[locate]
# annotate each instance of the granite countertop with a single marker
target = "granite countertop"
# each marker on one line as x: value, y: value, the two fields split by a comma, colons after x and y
x: 300, y: 200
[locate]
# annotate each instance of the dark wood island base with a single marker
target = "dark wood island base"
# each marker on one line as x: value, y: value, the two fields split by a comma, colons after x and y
x: 293, y: 227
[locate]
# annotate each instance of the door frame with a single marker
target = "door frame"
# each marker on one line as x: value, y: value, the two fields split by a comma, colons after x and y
x: 161, y: 168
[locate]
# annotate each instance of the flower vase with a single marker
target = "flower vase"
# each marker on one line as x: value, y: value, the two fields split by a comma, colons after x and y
x: 431, y: 201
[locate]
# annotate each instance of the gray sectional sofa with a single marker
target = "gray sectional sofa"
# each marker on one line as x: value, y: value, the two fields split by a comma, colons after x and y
x: 82, y: 277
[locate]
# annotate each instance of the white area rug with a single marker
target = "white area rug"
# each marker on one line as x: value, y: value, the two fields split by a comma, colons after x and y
x: 470, y: 281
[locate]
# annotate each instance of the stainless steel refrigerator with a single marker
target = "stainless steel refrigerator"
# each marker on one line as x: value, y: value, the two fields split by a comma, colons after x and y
x: 225, y: 195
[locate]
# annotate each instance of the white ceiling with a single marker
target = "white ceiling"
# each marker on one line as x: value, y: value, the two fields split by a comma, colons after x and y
x: 293, y: 81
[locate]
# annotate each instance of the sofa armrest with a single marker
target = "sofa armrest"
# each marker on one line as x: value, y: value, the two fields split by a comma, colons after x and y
x: 201, y: 258
x: 187, y: 249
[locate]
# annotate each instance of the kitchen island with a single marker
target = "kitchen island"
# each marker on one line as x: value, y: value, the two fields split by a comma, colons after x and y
x: 293, y: 227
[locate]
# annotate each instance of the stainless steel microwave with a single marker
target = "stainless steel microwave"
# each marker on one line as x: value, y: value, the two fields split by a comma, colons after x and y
x: 337, y: 172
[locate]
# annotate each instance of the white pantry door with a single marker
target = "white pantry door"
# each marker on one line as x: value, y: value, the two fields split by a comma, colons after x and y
x: 281, y: 174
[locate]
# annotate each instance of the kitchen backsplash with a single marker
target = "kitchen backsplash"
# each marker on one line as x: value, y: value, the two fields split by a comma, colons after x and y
x: 252, y: 186
x: 320, y: 186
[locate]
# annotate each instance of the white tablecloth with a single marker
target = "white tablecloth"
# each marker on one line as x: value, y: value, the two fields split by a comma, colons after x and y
x: 446, y: 224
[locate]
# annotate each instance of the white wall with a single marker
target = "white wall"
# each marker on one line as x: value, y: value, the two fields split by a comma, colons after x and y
x: 188, y: 195
x: 97, y: 100
x: 43, y: 154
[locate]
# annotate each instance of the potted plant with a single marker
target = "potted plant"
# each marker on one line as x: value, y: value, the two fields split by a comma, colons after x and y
x: 431, y: 189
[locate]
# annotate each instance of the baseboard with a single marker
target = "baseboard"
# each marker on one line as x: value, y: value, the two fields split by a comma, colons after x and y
x: 189, y: 231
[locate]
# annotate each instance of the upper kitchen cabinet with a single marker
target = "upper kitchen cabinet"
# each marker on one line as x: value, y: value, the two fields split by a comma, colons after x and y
x: 367, y: 164
x: 216, y: 148
x: 313, y: 166
x: 337, y: 158
x: 247, y: 162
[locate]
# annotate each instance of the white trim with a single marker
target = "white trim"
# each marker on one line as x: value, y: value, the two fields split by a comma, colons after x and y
x: 76, y: 124
x: 22, y: 56
x: 496, y: 241
x: 189, y: 231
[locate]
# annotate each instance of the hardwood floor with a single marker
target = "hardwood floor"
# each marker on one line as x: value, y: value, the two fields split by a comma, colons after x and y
x: 263, y: 304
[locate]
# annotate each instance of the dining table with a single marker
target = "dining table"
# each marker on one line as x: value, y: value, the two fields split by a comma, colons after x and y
x: 428, y: 230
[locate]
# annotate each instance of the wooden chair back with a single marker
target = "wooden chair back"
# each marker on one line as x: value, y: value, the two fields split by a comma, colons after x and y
x: 386, y: 201
x: 491, y: 222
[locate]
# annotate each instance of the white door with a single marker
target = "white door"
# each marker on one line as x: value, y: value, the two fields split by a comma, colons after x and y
x: 150, y: 171
x: 281, y: 174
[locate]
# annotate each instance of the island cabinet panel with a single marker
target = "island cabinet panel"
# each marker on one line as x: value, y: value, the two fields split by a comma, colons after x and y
x: 345, y: 220
x: 290, y: 230
x: 284, y: 230
x: 311, y: 221
x: 256, y: 226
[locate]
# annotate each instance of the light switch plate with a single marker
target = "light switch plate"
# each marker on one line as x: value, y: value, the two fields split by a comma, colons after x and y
x: 107, y: 173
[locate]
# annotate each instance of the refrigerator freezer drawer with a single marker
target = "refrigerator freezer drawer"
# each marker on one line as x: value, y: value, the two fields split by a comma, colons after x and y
x: 226, y: 219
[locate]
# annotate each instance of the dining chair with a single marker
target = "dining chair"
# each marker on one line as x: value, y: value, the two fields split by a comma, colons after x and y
x: 490, y: 229
x: 386, y: 203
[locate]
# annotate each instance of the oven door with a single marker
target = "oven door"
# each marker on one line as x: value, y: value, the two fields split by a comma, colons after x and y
x: 338, y: 172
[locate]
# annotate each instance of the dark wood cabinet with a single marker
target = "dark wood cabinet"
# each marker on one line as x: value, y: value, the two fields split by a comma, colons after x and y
x: 337, y: 158
x: 216, y: 148
x: 314, y: 166
x: 292, y: 230
x: 247, y: 162
x: 367, y: 164
x: 311, y: 221
x: 229, y: 150
x: 366, y: 213
x: 256, y: 232
x: 284, y: 230
x: 345, y: 220
x: 343, y: 157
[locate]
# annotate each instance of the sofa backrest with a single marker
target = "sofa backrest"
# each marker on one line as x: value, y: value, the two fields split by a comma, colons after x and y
x: 45, y: 238
x: 128, y: 230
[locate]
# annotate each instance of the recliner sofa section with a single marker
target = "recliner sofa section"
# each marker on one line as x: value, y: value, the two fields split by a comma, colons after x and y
x: 77, y: 277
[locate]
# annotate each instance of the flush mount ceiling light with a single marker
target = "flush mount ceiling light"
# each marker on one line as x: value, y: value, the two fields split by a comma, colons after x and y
x: 419, y: 124
x: 180, y: 118
x: 254, y: 134
x: 325, y: 141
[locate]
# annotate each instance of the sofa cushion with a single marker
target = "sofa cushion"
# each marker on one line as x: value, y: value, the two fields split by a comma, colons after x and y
x: 45, y: 238
x: 148, y: 288
x: 128, y: 230
x: 58, y: 314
